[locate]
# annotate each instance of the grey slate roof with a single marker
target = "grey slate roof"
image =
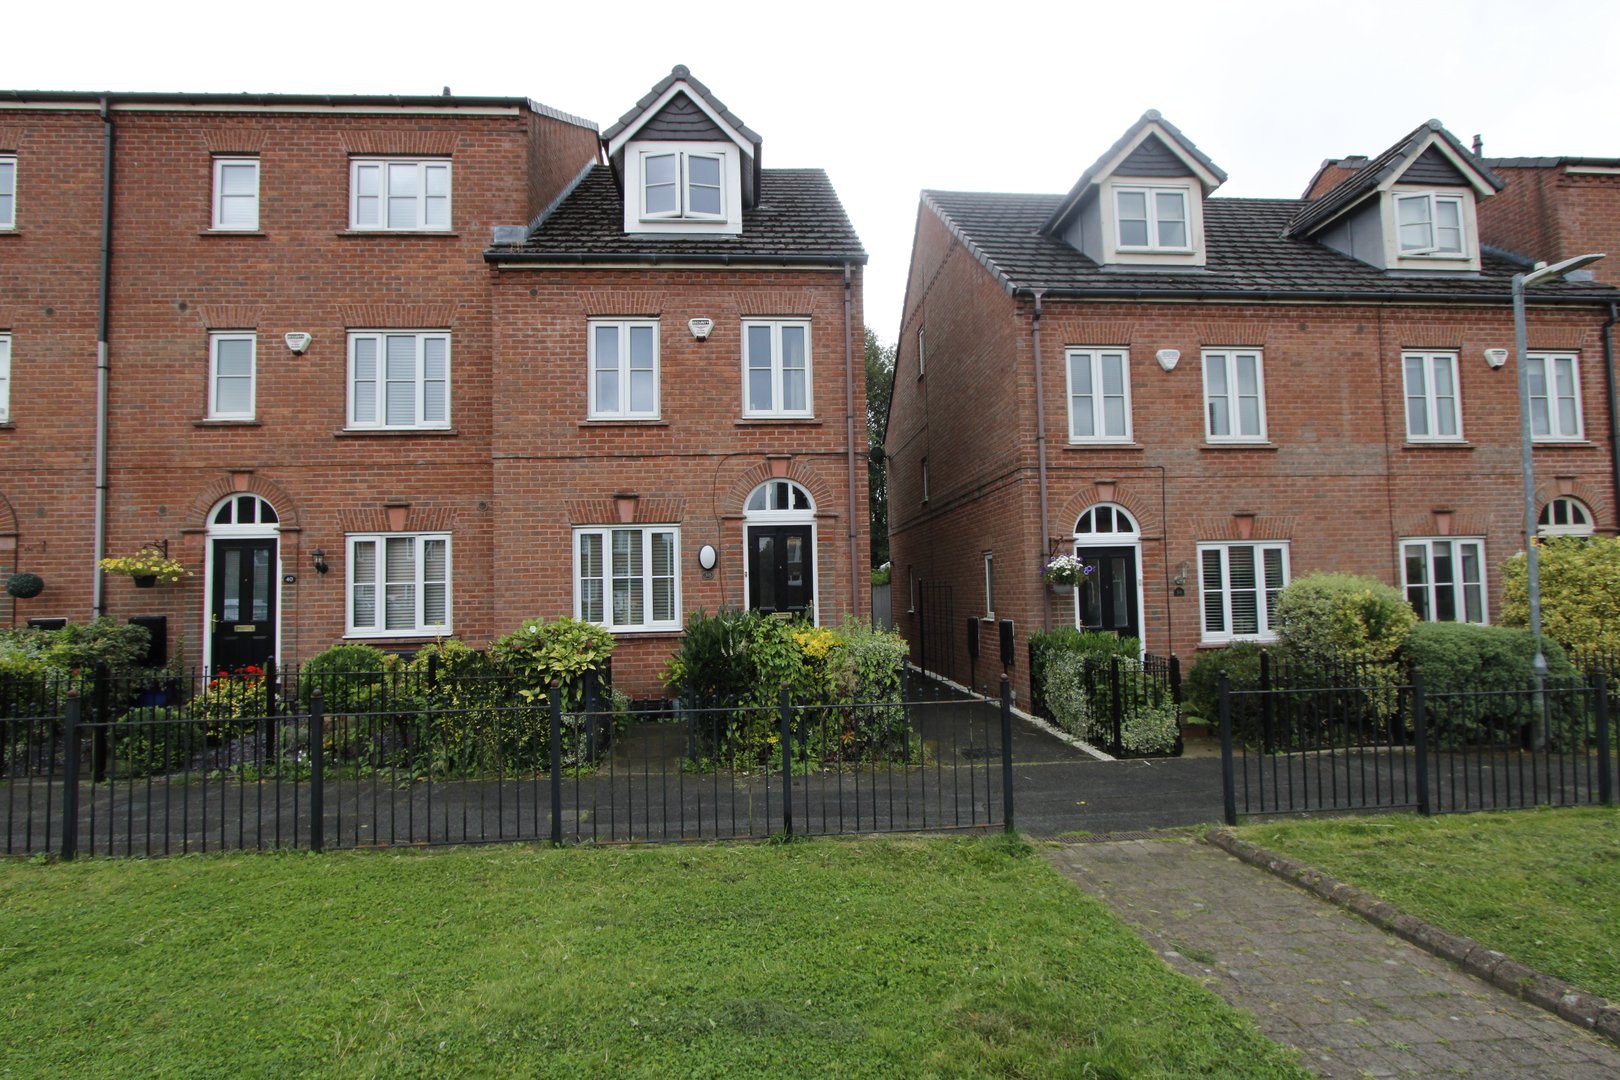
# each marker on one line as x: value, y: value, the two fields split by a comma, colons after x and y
x: 1247, y: 258
x: 1351, y: 191
x: 798, y: 219
x: 678, y: 73
x: 1550, y: 162
x: 1082, y: 186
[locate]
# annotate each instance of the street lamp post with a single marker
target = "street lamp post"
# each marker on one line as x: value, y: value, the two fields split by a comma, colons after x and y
x: 1527, y: 438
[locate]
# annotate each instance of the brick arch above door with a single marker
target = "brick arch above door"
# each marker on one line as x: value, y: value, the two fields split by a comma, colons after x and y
x: 778, y: 468
x: 243, y: 482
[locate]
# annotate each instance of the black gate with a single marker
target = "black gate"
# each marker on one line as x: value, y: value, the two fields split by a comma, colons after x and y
x: 936, y: 629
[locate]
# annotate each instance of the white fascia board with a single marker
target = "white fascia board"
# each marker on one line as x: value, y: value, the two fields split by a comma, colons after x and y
x: 619, y: 141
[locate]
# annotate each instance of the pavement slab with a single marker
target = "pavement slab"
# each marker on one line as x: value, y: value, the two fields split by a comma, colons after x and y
x: 1356, y: 1001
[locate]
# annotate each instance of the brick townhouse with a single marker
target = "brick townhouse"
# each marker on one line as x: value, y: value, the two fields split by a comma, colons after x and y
x: 352, y: 418
x: 1204, y: 397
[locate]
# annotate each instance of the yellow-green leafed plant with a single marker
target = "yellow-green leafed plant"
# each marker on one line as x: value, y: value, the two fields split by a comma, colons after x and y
x: 147, y: 562
x: 1580, y: 592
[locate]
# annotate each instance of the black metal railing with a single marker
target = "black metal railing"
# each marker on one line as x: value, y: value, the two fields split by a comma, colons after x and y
x: 107, y: 766
x: 1333, y: 745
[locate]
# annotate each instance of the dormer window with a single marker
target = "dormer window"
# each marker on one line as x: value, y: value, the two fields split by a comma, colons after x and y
x: 1430, y: 224
x: 683, y: 185
x: 1151, y: 219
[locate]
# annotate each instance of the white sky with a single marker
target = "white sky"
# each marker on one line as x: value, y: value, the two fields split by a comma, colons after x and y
x: 891, y: 98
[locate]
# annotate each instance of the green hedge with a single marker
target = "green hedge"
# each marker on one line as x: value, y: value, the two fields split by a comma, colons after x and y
x: 1475, y: 681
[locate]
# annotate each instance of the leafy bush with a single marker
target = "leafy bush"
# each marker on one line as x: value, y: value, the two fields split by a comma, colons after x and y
x: 1333, y: 620
x: 232, y: 701
x: 1475, y: 680
x: 1580, y: 593
x: 562, y: 652
x: 1045, y: 643
x: 472, y: 720
x: 1201, y: 690
x: 350, y: 676
x: 156, y: 740
x: 741, y: 660
x: 75, y: 647
x: 1079, y: 688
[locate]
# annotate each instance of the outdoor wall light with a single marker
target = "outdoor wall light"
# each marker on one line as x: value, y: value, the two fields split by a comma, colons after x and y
x: 320, y: 562
x: 708, y: 557
x: 1168, y: 358
x: 1496, y: 357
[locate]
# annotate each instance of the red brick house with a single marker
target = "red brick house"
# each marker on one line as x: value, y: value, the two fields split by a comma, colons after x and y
x: 1203, y: 397
x: 352, y: 418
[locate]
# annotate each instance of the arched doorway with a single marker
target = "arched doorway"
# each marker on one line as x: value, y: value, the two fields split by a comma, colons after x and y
x: 1108, y: 542
x: 779, y: 536
x: 242, y: 617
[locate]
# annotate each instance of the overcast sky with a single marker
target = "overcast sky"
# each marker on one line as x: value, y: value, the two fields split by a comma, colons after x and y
x: 891, y: 99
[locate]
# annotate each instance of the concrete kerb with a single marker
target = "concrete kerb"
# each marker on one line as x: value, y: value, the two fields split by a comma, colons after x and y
x: 1554, y: 995
x: 1029, y: 718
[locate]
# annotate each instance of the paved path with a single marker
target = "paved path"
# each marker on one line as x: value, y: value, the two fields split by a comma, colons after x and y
x: 1355, y: 1000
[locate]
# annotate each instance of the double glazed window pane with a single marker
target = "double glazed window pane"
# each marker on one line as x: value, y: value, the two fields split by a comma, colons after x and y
x: 233, y: 376
x: 408, y: 576
x: 794, y: 369
x: 776, y: 368
x: 1233, y: 395
x: 400, y: 380
x: 401, y: 194
x: 1431, y: 396
x: 1241, y: 583
x: 1098, y: 406
x: 1171, y: 208
x: 1445, y: 580
x: 627, y: 598
x: 1133, y: 219
x: 703, y: 185
x: 8, y: 193
x: 662, y: 177
x: 1448, y: 226
x: 759, y: 369
x: 1412, y: 214
x: 624, y: 370
x: 400, y: 395
x: 238, y: 194
x: 1554, y: 408
x: 626, y: 578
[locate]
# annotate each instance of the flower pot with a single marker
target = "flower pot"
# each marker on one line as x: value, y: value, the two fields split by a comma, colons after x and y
x: 1062, y: 588
x: 144, y: 581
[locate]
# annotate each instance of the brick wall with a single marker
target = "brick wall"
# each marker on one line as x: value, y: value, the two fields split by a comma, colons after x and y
x: 1550, y: 213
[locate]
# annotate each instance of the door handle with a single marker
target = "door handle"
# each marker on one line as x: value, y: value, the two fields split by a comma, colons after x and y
x: 214, y: 625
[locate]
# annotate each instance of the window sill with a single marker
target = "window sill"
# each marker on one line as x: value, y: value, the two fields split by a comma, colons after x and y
x: 398, y: 232
x: 654, y: 632
x: 1103, y: 444
x: 776, y: 421
x: 361, y: 433
x: 233, y: 232
x: 6, y: 425
x: 1214, y: 645
x: 226, y: 423
x: 1564, y: 444
x: 1437, y: 444
x: 1261, y: 444
x: 609, y: 422
x: 400, y: 635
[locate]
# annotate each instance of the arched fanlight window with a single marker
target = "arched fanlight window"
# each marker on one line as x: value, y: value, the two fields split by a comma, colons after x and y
x: 239, y: 510
x: 1565, y: 516
x: 1107, y: 519
x: 780, y: 496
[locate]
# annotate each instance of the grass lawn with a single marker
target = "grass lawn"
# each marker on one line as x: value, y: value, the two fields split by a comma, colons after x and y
x: 1542, y: 886
x: 881, y: 958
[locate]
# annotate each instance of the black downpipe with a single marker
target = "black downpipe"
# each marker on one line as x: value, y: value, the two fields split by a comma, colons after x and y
x: 1614, y: 420
x: 99, y: 525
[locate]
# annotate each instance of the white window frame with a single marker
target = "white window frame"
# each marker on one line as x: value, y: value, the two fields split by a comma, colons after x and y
x: 605, y: 534
x: 220, y: 197
x: 1094, y: 359
x: 1228, y: 359
x: 1261, y: 589
x: 5, y: 378
x: 1432, y: 402
x: 424, y: 167
x: 777, y: 372
x: 1431, y: 201
x: 8, y: 190
x: 1578, y: 518
x: 215, y: 339
x: 1150, y: 194
x: 1459, y: 583
x: 1551, y: 422
x: 925, y: 481
x: 990, y: 585
x: 380, y: 382
x: 380, y: 582
x: 683, y: 210
x: 922, y: 356
x: 597, y: 409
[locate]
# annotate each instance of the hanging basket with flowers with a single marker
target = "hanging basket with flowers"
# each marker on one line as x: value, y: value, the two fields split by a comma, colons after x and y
x: 1064, y: 572
x: 147, y: 567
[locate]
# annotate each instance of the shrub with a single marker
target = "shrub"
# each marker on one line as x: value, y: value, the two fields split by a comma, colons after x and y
x: 1335, y: 620
x: 472, y: 721
x: 153, y: 741
x: 562, y: 652
x: 352, y: 677
x: 1475, y: 680
x: 1201, y: 690
x: 1045, y: 643
x: 1080, y: 689
x: 76, y: 646
x: 1580, y: 593
x: 231, y: 702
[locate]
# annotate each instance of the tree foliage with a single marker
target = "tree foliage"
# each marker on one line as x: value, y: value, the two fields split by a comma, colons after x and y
x: 1580, y: 592
x: 879, y: 387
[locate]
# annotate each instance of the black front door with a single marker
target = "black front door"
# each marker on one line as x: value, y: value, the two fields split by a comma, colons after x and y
x: 779, y: 569
x: 242, y: 610
x: 1107, y: 597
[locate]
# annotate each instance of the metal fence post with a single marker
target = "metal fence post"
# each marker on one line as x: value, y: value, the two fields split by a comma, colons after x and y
x: 1006, y: 753
x: 1117, y: 708
x: 70, y: 777
x: 556, y: 764
x: 317, y: 773
x: 787, y: 763
x: 1268, y: 720
x: 1421, y: 738
x: 590, y: 706
x: 272, y: 696
x: 99, y: 709
x: 1605, y: 762
x: 1175, y: 678
x: 1228, y: 777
